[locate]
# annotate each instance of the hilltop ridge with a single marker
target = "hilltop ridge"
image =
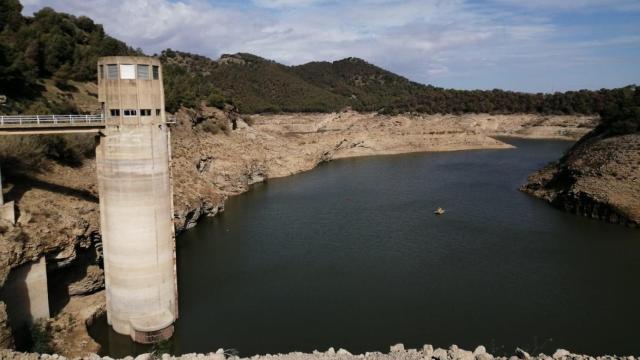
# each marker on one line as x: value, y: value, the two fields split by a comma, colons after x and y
x: 257, y: 85
x: 52, y: 49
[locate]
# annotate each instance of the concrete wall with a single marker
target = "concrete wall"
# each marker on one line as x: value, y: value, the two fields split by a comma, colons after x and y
x: 26, y: 295
x: 135, y: 208
x: 8, y: 212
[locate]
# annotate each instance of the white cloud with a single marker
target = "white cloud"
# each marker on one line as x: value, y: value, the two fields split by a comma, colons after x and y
x: 566, y: 5
x: 286, y: 3
x: 451, y: 42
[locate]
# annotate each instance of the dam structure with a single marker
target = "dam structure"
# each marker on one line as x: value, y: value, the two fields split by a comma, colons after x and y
x: 136, y: 199
x: 133, y: 162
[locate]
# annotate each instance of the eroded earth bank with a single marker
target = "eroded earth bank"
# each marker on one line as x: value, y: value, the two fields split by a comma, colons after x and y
x: 217, y: 154
x: 599, y: 178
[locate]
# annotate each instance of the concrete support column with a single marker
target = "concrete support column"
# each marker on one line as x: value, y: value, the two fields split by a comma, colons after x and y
x: 7, y: 211
x: 1, y: 193
x: 26, y: 294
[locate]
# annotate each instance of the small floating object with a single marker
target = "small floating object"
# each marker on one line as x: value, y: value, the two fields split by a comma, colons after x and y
x: 439, y: 211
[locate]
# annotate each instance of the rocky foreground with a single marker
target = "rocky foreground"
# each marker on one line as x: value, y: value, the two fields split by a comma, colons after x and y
x: 396, y: 352
x: 217, y: 154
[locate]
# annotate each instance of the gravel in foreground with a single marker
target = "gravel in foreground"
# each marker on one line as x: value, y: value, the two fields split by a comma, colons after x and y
x: 395, y: 352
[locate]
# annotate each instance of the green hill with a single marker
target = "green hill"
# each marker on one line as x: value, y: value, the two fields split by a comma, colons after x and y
x: 252, y: 83
x: 257, y: 85
x: 49, y: 45
x: 55, y: 49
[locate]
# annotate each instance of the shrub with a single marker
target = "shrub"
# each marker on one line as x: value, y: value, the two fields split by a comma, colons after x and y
x: 21, y: 153
x: 40, y: 338
x: 210, y: 126
x: 216, y: 100
x: 27, y: 153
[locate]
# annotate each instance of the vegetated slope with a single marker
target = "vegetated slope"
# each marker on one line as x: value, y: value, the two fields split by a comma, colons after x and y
x: 60, y: 49
x: 367, y: 87
x: 49, y: 45
x: 599, y: 176
x: 252, y: 83
x: 258, y: 85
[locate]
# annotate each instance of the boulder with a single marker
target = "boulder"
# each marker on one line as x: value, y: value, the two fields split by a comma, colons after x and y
x: 560, y: 354
x: 427, y: 350
x: 480, y: 350
x: 92, y: 282
x: 440, y: 354
x: 522, y: 354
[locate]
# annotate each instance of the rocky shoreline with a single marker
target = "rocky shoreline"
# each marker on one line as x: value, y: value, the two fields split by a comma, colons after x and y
x: 598, y: 178
x: 217, y: 154
x: 395, y: 352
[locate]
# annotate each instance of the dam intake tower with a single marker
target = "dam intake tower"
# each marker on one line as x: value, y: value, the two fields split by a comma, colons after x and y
x: 136, y: 201
x: 133, y: 161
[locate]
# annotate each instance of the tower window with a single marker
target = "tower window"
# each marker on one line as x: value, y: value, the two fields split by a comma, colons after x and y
x: 100, y: 71
x: 145, y: 112
x: 157, y: 112
x: 115, y: 112
x: 143, y: 72
x: 130, y: 112
x: 156, y: 72
x: 112, y: 71
x: 128, y: 72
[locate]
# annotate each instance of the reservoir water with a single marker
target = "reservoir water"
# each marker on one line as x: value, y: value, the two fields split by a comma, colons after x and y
x: 351, y: 255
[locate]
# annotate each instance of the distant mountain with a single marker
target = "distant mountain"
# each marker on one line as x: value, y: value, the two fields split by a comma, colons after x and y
x: 257, y: 85
x: 44, y: 58
x: 367, y: 86
x: 252, y: 83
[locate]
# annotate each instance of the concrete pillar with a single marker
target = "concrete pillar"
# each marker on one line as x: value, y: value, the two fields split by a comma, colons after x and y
x: 1, y: 193
x: 26, y: 295
x: 7, y: 211
x: 132, y: 160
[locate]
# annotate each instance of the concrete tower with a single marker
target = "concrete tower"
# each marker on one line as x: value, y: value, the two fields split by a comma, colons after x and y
x: 136, y: 200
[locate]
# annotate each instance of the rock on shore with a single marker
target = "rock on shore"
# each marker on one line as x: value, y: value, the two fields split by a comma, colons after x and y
x: 396, y: 352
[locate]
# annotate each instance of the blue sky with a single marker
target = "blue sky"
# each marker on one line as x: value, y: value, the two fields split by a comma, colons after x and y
x: 524, y: 45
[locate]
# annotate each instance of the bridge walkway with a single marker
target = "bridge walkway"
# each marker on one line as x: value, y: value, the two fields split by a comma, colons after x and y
x: 50, y: 124
x: 55, y: 124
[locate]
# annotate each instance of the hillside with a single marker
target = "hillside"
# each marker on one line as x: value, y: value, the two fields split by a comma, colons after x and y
x: 49, y: 45
x: 62, y: 48
x: 257, y: 85
x: 253, y: 84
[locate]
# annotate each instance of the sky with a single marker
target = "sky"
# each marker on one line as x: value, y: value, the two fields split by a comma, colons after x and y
x: 522, y: 45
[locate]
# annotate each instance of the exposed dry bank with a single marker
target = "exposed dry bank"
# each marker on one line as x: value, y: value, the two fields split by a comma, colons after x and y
x: 599, y: 178
x: 217, y: 154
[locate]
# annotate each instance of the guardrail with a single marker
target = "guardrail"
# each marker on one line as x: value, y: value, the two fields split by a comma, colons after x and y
x: 49, y: 120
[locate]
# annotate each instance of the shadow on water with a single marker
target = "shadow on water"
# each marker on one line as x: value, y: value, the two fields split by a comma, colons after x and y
x: 351, y: 255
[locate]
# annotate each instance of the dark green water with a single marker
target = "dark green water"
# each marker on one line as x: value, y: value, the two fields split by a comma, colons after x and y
x: 351, y: 255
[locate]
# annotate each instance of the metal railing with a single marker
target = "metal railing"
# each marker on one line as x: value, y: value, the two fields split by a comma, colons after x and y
x: 50, y: 120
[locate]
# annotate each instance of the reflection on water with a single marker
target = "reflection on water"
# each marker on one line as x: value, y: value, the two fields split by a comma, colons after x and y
x: 351, y: 255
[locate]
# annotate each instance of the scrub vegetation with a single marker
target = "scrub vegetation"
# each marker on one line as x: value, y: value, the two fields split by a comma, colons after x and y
x: 257, y: 85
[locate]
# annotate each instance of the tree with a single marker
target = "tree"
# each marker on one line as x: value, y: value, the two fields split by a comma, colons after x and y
x: 10, y: 14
